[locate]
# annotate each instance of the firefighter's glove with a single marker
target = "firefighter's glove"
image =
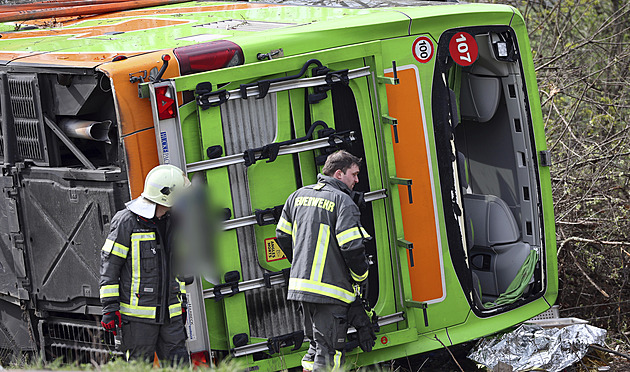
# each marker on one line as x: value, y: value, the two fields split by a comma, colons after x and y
x: 184, y: 315
x: 366, y: 337
x: 359, y: 319
x: 111, y: 320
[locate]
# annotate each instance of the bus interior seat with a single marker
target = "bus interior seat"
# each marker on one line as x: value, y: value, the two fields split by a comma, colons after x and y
x: 479, y: 97
x: 481, y: 88
x: 464, y: 184
x: 497, y: 251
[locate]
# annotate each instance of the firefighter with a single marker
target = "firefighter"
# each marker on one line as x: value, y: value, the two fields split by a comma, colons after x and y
x: 320, y: 232
x: 139, y: 292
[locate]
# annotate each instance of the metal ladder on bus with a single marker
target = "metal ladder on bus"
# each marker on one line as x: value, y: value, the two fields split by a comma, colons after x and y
x: 171, y: 151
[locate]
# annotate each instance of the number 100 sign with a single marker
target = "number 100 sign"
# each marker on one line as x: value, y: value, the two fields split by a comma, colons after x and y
x: 423, y: 49
x: 463, y: 48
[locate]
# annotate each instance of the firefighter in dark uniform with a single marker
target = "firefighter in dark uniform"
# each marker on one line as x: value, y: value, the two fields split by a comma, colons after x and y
x: 321, y: 234
x: 139, y: 292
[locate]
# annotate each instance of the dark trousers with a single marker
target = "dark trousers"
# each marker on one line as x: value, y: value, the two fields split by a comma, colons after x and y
x: 325, y: 326
x: 142, y: 340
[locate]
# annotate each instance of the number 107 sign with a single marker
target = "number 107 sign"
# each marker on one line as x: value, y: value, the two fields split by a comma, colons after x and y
x: 463, y: 48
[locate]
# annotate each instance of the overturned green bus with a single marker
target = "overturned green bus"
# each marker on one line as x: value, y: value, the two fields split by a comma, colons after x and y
x: 439, y: 99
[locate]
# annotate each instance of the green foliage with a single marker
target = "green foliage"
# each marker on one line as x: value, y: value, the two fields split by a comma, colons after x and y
x: 120, y: 365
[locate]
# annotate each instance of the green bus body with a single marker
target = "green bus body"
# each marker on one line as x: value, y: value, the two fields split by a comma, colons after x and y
x: 439, y: 100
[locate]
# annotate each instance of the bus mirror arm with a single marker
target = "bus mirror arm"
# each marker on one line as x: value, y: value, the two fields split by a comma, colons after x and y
x: 165, y: 59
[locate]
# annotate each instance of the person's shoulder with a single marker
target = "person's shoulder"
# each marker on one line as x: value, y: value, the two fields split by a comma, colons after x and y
x: 124, y: 216
x: 122, y: 224
x: 345, y: 199
x: 323, y: 189
x: 303, y: 190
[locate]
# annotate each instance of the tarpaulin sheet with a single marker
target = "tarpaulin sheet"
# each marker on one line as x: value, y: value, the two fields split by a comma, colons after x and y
x: 531, y: 346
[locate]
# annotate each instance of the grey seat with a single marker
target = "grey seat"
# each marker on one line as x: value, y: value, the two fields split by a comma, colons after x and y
x: 497, y: 251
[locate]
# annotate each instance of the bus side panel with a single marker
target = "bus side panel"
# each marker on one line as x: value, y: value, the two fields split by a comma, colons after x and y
x: 550, y: 248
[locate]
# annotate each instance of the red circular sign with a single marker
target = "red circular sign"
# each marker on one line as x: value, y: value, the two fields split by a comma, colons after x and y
x: 423, y: 49
x: 384, y: 340
x: 463, y: 48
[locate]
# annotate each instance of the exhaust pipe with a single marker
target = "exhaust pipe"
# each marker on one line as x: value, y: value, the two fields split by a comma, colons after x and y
x: 86, y: 129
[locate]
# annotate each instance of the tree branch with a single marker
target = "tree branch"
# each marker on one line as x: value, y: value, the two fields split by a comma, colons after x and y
x: 588, y: 277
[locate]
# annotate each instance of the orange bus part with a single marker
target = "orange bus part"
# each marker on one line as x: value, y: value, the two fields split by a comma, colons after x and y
x: 135, y: 114
x: 53, y: 4
x: 413, y: 162
x: 82, y: 10
x: 90, y: 31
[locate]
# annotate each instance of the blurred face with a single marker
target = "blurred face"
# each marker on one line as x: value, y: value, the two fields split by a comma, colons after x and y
x: 350, y: 177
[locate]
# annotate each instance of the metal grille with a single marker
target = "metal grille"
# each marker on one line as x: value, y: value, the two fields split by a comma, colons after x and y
x: 26, y: 110
x: 27, y: 138
x: 552, y: 313
x: 249, y: 124
x: 75, y: 341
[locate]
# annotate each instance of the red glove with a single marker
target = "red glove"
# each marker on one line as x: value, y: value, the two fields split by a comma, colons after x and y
x: 111, y: 320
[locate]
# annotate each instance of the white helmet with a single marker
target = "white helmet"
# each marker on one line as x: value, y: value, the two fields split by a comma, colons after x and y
x: 164, y: 183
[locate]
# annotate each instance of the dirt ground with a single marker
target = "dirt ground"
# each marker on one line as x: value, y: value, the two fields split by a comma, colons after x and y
x: 438, y: 360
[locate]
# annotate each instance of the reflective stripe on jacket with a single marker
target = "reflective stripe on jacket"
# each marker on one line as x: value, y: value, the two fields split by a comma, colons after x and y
x: 136, y: 274
x: 320, y: 232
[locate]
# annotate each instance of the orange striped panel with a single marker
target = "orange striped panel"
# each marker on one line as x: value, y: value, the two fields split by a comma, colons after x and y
x: 412, y: 161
